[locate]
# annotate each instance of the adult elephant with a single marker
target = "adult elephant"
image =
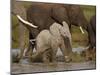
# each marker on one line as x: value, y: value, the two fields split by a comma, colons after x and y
x: 73, y: 15
x: 44, y: 15
x: 50, y: 40
x: 40, y: 14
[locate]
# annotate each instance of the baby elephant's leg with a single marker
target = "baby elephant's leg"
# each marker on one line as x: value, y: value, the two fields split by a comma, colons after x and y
x: 46, y: 56
x: 54, y: 51
x: 40, y: 52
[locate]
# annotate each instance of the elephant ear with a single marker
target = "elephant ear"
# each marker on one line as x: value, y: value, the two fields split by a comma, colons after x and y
x: 62, y: 31
x: 55, y: 28
x: 65, y: 31
x: 65, y: 25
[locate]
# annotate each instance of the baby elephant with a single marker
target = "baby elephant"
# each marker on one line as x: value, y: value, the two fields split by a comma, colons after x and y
x: 50, y: 40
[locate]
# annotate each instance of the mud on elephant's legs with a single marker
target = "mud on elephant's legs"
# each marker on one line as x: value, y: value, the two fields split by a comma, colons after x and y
x: 54, y: 51
x: 46, y: 57
x: 40, y: 52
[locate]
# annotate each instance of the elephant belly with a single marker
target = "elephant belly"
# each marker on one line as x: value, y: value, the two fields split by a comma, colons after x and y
x: 43, y: 40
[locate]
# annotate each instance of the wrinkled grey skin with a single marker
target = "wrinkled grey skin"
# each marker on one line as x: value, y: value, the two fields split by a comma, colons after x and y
x: 50, y: 40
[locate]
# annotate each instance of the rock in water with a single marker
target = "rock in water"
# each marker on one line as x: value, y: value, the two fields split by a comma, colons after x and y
x: 14, y: 55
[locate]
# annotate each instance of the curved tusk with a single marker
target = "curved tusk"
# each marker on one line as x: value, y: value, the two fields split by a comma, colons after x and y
x: 26, y: 22
x: 81, y: 30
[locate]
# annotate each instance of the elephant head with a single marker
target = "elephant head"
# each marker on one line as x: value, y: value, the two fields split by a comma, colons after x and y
x: 71, y: 14
x: 76, y: 17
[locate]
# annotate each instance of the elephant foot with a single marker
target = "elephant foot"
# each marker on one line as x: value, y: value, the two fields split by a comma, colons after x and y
x: 46, y: 60
x: 54, y: 62
x: 68, y: 59
x: 46, y: 57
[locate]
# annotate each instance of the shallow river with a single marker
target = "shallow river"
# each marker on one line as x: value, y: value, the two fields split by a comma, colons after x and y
x: 60, y: 66
x: 26, y: 67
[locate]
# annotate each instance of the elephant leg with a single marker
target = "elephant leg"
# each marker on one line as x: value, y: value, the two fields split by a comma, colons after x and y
x: 46, y: 56
x: 29, y: 50
x: 68, y: 46
x: 54, y: 51
x: 54, y: 48
x: 21, y: 53
x: 66, y: 53
x: 40, y: 51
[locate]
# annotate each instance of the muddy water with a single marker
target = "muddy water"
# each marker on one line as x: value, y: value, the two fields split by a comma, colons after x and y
x: 15, y: 52
x: 60, y: 66
x: 25, y: 67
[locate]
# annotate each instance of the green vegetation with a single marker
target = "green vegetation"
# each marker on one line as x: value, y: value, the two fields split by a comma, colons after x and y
x: 89, y: 11
x: 15, y: 35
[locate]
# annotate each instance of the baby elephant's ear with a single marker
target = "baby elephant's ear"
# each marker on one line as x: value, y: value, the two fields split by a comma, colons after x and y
x: 65, y: 24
